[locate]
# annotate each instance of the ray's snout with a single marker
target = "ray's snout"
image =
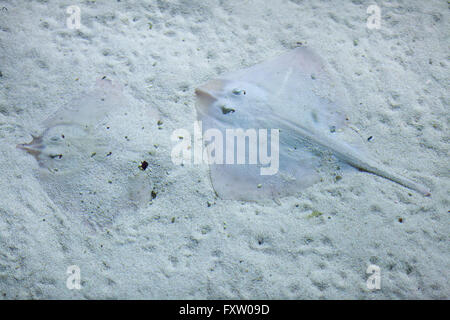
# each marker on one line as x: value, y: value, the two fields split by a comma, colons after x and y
x: 34, y: 147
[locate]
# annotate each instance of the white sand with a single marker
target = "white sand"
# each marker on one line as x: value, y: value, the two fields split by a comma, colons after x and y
x: 179, y: 247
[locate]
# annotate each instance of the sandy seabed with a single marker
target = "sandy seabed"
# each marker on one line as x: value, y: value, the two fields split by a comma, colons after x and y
x: 184, y: 242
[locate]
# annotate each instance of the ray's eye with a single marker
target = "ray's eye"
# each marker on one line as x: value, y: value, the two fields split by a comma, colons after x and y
x: 226, y: 110
x: 238, y: 92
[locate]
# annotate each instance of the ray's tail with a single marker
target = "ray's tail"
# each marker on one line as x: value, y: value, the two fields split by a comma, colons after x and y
x: 349, y: 155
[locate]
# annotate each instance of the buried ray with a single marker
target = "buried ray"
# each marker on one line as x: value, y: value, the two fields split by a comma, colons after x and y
x: 90, y: 161
x: 296, y: 94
